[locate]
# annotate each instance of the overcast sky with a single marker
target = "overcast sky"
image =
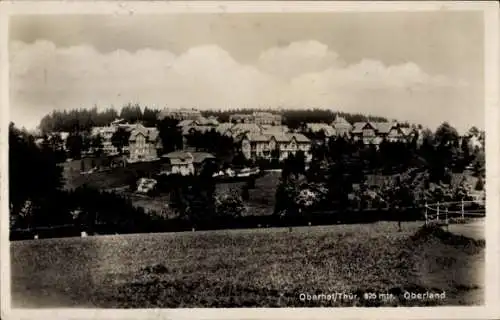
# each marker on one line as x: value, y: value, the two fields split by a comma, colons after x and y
x: 422, y: 67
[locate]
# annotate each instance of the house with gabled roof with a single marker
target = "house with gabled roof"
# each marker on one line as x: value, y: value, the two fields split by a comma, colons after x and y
x: 224, y: 128
x: 342, y: 126
x: 364, y: 131
x: 258, y: 145
x: 187, y: 122
x: 144, y: 143
x: 243, y: 128
x: 270, y: 129
x: 375, y: 132
x: 327, y: 129
x: 391, y: 131
x: 187, y: 163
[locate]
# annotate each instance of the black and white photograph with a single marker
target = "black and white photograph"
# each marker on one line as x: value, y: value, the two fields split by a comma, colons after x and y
x: 238, y: 158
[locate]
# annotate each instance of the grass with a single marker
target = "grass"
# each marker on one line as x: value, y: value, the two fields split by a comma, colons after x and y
x: 262, y: 198
x: 114, y: 178
x: 246, y: 268
x: 261, y: 201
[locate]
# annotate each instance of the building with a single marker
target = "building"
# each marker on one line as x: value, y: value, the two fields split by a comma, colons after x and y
x: 267, y: 118
x: 201, y: 121
x: 210, y: 121
x: 143, y: 144
x: 187, y: 130
x: 106, y: 133
x: 342, y: 127
x: 224, y: 128
x: 240, y: 118
x: 243, y: 128
x: 180, y: 114
x: 261, y: 146
x: 270, y: 129
x: 259, y: 118
x: 411, y: 133
x: 391, y: 131
x: 187, y: 163
x: 376, y: 132
x: 317, y: 128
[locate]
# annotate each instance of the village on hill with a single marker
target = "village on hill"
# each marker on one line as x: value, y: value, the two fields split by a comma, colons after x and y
x: 254, y: 163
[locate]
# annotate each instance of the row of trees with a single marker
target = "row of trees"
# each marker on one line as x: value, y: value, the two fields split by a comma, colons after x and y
x: 84, y: 119
x: 79, y: 120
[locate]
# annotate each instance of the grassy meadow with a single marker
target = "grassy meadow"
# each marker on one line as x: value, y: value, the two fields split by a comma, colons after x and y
x: 247, y: 268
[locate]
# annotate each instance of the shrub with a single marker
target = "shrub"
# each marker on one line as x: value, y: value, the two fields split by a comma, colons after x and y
x: 479, y: 184
x: 229, y: 204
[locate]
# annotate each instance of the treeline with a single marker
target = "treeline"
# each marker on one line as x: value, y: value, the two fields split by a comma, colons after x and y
x: 80, y: 120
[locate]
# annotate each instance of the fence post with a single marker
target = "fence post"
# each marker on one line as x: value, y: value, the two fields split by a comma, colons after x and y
x: 437, y: 215
x: 463, y: 211
x: 446, y: 218
x: 425, y: 213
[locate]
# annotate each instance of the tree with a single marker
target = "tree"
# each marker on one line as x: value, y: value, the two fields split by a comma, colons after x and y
x: 120, y: 139
x: 339, y: 184
x: 245, y: 193
x: 286, y: 195
x: 229, y: 204
x: 478, y: 164
x: 446, y: 135
x: 462, y: 191
x: 474, y: 131
x: 149, y: 117
x: 97, y: 145
x: 35, y: 179
x: 170, y: 135
x: 399, y: 195
x: 131, y: 113
x: 275, y: 157
x: 74, y: 144
x: 300, y: 162
x: 239, y: 160
x: 479, y: 184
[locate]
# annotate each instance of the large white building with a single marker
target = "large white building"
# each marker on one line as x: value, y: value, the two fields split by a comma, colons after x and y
x: 144, y: 143
x: 259, y: 118
x: 180, y: 114
x: 257, y: 145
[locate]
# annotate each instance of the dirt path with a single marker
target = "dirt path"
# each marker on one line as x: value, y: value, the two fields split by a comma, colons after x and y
x: 474, y: 230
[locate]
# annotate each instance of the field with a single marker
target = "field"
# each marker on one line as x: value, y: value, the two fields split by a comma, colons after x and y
x: 262, y: 197
x: 243, y: 268
x: 115, y: 178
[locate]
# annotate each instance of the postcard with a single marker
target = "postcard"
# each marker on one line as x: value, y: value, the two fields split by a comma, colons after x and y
x: 250, y: 160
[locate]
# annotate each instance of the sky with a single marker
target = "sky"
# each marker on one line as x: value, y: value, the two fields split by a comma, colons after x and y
x: 422, y: 67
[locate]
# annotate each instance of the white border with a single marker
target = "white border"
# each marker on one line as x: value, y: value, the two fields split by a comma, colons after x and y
x: 492, y: 118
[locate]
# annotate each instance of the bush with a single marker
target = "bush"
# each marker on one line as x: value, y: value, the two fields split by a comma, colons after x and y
x: 229, y: 204
x: 479, y: 184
